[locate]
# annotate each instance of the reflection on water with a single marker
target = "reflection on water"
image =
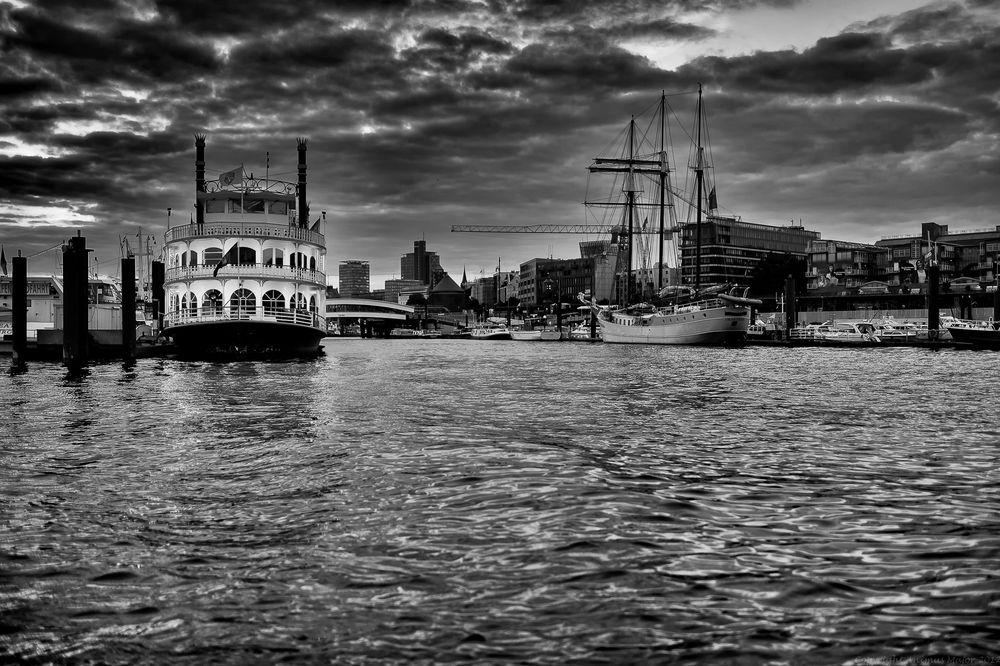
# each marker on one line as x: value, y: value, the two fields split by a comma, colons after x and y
x: 431, y: 501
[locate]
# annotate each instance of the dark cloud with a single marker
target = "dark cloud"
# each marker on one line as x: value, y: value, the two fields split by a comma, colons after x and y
x: 424, y: 114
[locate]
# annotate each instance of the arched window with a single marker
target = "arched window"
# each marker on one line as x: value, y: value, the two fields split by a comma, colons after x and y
x: 247, y: 256
x: 189, y: 303
x: 212, y: 255
x: 175, y: 302
x: 273, y: 257
x: 312, y: 304
x: 273, y: 302
x: 298, y: 302
x: 211, y: 302
x: 191, y: 258
x: 312, y: 263
x: 242, y: 302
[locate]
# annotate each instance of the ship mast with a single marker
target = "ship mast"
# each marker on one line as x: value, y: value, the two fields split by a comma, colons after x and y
x: 629, y: 188
x: 699, y: 173
x: 663, y: 178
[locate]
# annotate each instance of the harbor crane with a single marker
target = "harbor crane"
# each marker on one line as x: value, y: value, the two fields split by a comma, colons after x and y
x: 552, y: 229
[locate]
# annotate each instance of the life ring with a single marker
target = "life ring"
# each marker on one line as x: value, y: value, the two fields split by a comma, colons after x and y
x: 932, y: 334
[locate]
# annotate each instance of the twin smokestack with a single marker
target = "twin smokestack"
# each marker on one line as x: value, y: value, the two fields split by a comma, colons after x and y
x: 199, y: 180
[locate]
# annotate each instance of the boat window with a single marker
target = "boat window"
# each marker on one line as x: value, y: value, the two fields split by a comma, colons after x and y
x: 253, y: 206
x: 273, y: 257
x: 212, y: 255
x: 215, y: 206
x: 312, y: 304
x: 273, y: 301
x: 248, y: 256
x: 312, y: 263
x: 242, y: 302
x: 279, y: 207
x: 212, y: 301
x: 299, y: 302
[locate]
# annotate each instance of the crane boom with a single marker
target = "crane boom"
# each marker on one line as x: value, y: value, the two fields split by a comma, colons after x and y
x: 549, y: 229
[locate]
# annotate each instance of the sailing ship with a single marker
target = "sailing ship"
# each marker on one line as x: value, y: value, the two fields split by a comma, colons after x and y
x: 246, y: 277
x: 676, y: 314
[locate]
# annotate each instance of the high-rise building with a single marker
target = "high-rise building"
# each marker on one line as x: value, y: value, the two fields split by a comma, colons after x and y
x: 420, y: 264
x: 354, y: 278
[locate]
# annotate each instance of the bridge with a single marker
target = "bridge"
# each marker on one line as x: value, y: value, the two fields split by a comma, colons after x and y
x: 364, y: 308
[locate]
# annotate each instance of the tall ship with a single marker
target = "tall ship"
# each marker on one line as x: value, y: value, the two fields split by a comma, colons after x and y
x: 246, y: 276
x: 643, y: 190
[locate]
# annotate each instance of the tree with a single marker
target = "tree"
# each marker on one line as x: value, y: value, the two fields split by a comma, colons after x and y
x: 418, y: 300
x: 768, y: 276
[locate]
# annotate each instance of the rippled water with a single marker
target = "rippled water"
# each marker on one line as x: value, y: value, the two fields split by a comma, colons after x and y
x: 495, y: 502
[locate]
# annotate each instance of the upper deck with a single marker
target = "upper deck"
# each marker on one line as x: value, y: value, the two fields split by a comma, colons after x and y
x: 257, y: 209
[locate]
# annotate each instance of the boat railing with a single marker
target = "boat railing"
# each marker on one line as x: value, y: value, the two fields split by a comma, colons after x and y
x: 205, y: 271
x: 240, y: 230
x: 210, y: 314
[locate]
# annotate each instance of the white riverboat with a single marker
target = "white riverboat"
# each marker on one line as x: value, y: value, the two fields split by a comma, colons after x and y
x: 246, y: 277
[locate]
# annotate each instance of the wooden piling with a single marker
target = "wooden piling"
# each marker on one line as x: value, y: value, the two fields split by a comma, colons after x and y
x: 75, y: 297
x: 933, y: 314
x: 128, y: 308
x: 790, y: 313
x: 158, y: 293
x: 19, y: 307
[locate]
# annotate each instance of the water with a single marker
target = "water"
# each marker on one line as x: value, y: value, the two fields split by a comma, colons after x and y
x: 448, y: 501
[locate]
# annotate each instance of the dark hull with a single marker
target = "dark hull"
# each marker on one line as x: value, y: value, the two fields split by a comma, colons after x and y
x: 981, y: 338
x: 236, y: 339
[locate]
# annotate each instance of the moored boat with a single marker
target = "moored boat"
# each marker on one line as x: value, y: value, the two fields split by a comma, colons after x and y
x: 526, y: 335
x: 247, y: 276
x: 490, y: 331
x: 976, y: 334
x: 712, y: 315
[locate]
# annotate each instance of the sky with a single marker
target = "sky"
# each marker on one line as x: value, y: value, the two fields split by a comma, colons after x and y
x: 858, y: 119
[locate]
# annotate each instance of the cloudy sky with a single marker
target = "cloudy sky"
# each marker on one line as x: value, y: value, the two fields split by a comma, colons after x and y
x: 861, y: 118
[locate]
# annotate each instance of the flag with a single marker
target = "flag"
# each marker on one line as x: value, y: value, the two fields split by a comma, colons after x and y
x: 315, y: 226
x: 713, y: 203
x: 234, y: 177
x: 3, y: 261
x: 227, y: 259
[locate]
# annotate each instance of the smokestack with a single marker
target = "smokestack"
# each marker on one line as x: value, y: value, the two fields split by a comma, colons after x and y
x: 303, y: 209
x: 199, y: 176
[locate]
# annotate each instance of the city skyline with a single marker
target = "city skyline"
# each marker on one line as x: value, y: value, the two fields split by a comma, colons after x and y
x: 855, y: 119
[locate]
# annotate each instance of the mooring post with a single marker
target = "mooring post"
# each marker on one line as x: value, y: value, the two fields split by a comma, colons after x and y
x: 128, y: 308
x: 75, y: 310
x: 790, y: 314
x: 933, y: 318
x: 996, y: 294
x: 158, y: 293
x: 19, y: 307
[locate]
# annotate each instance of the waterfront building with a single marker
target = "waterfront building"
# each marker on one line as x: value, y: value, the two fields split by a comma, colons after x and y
x: 484, y: 290
x: 394, y: 289
x: 606, y: 256
x: 962, y: 254
x: 731, y: 248
x: 543, y: 281
x: 839, y: 265
x: 354, y: 278
x: 446, y: 295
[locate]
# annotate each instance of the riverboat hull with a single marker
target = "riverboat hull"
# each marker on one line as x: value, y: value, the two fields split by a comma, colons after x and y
x: 238, y: 338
